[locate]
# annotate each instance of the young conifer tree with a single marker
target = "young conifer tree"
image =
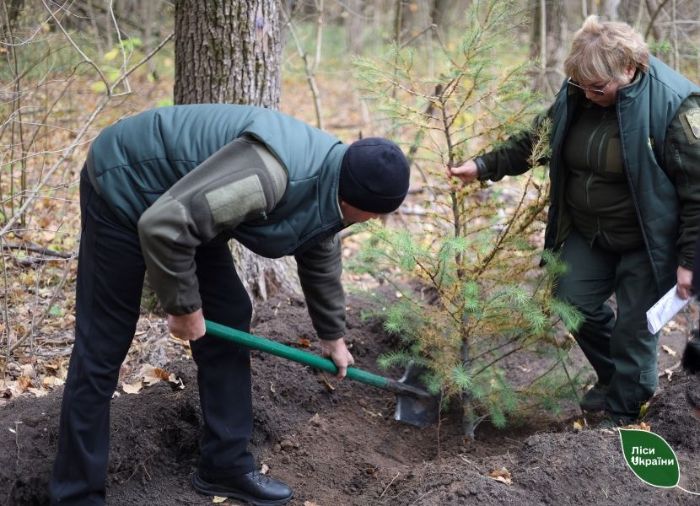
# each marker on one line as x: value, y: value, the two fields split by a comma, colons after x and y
x: 483, y: 296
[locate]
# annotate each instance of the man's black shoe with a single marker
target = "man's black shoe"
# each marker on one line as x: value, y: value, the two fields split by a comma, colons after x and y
x: 254, y: 488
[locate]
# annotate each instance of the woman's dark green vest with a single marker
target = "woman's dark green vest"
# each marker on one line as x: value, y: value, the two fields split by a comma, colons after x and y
x: 136, y: 160
x: 645, y: 110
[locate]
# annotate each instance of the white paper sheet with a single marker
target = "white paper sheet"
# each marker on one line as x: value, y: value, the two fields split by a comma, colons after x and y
x: 665, y: 308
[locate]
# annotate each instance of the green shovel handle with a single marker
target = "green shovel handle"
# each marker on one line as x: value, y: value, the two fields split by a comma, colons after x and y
x: 304, y: 357
x: 281, y: 350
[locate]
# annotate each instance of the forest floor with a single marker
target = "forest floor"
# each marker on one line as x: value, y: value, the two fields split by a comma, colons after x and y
x: 336, y: 443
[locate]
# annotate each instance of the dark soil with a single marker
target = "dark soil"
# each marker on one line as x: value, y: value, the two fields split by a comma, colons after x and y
x: 342, y: 446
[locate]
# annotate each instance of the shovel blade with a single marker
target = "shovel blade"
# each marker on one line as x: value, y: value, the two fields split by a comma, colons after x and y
x: 418, y: 411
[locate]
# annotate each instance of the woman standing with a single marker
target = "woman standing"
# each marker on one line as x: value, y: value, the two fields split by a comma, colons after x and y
x: 624, y: 202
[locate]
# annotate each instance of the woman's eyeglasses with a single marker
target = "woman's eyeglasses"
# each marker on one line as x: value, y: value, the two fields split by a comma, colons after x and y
x: 589, y: 89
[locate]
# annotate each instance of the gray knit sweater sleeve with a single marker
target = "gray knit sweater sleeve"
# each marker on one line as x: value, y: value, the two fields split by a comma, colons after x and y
x: 319, y: 270
x: 241, y: 181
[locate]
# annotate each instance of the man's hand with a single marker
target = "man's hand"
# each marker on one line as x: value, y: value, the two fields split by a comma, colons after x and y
x: 685, y: 282
x: 188, y: 327
x: 338, y: 352
x: 467, y: 172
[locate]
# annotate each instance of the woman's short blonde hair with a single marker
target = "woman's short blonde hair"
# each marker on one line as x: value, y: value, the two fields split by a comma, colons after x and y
x: 603, y: 51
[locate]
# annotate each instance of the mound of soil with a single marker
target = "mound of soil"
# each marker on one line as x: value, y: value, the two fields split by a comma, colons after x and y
x: 337, y: 443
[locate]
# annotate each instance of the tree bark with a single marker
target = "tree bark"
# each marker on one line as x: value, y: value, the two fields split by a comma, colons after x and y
x: 546, y: 44
x: 229, y: 51
x: 355, y: 26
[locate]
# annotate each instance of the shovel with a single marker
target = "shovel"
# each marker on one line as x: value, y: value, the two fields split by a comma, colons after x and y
x: 414, y: 405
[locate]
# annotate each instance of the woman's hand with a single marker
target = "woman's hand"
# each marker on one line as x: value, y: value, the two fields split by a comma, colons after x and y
x: 684, y: 279
x: 467, y: 172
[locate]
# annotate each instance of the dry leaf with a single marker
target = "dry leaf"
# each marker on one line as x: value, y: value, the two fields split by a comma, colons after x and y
x: 152, y: 375
x: 264, y: 469
x: 217, y: 500
x: 668, y: 373
x: 578, y: 425
x: 39, y: 392
x: 669, y: 350
x: 28, y: 371
x: 327, y: 383
x: 52, y: 381
x: 24, y: 383
x: 304, y: 342
x: 132, y: 388
x: 502, y: 475
x: 310, y: 503
x: 174, y: 380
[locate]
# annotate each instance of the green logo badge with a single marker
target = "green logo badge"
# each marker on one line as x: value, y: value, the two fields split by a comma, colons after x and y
x: 650, y: 457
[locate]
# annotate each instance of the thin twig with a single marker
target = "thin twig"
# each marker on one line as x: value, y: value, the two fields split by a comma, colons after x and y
x: 36, y: 249
x: 33, y: 195
x: 389, y: 485
x: 85, y: 57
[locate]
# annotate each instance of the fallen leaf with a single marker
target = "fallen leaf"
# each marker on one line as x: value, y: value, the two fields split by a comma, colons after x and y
x: 152, y: 375
x: 643, y: 409
x: 39, y: 392
x: 23, y: 383
x: 310, y: 503
x: 304, y: 342
x: 669, y: 350
x: 668, y: 373
x: 174, y: 380
x: 132, y: 388
x: 264, y: 469
x: 502, y: 475
x: 216, y: 499
x: 52, y: 381
x: 578, y: 425
x: 327, y: 383
x: 28, y: 371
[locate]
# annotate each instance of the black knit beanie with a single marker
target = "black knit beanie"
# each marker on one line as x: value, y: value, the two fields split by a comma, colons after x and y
x: 374, y: 175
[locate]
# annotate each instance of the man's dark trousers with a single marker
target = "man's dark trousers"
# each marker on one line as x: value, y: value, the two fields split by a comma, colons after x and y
x: 621, y: 349
x: 110, y: 278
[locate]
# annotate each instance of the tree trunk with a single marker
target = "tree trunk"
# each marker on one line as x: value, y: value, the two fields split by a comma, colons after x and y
x: 229, y: 51
x: 546, y: 44
x: 356, y: 21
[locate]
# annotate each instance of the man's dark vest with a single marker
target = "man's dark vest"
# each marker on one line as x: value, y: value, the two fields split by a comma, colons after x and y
x: 645, y: 110
x: 136, y: 160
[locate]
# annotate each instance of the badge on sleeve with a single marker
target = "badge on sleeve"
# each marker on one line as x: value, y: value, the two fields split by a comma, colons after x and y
x: 691, y: 124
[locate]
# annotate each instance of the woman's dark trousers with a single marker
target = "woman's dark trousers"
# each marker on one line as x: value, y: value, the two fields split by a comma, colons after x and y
x: 619, y: 347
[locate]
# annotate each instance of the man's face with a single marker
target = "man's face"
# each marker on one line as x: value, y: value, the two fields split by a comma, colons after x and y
x: 352, y: 214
